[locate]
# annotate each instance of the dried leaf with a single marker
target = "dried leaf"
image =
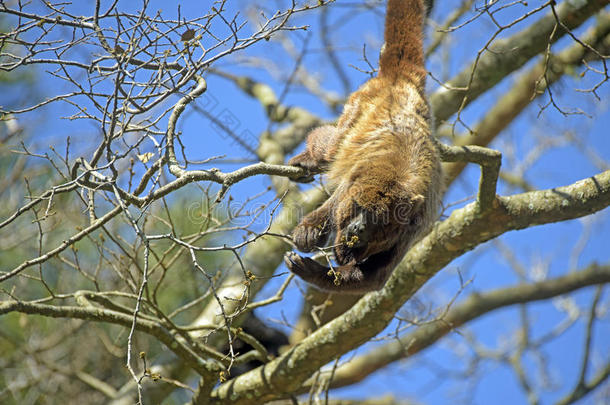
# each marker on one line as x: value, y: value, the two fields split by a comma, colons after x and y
x: 188, y: 35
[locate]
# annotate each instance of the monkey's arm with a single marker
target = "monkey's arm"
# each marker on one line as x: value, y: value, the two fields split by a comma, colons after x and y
x: 321, y: 142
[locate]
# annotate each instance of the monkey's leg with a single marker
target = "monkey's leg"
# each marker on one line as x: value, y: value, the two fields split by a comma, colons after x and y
x: 320, y: 143
x: 314, y: 228
x: 347, y: 279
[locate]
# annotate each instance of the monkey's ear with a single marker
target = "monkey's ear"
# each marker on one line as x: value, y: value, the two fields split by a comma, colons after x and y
x: 408, y: 208
x: 414, y: 201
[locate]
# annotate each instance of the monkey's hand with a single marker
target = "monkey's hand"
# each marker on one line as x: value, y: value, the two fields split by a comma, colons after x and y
x: 309, y: 235
x: 314, y: 229
x: 304, y: 267
x: 304, y: 161
x: 355, y: 238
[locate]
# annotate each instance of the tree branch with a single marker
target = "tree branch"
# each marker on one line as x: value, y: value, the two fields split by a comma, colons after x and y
x: 169, y: 339
x: 199, y: 89
x: 488, y: 159
x: 586, y: 388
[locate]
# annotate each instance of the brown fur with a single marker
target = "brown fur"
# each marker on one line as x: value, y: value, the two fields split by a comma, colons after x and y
x: 382, y: 164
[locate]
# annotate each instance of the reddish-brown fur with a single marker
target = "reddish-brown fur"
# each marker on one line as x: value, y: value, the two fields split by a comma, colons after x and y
x: 382, y: 164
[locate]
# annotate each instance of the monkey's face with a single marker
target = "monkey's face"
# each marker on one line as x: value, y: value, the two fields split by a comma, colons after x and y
x: 364, y: 229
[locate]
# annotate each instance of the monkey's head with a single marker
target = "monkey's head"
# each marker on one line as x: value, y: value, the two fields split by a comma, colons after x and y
x: 372, y: 219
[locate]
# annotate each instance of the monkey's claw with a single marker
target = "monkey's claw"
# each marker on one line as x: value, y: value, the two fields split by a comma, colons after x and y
x: 294, y: 262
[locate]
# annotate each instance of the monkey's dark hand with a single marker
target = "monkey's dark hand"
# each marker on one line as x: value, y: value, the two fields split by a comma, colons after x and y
x: 303, y: 161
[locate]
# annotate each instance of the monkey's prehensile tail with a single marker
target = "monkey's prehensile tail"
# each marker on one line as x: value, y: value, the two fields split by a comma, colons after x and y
x: 403, y: 53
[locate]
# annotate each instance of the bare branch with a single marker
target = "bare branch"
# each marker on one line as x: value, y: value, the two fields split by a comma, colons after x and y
x: 194, y: 360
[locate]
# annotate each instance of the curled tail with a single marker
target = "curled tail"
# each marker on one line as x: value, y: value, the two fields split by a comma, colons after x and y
x: 403, y: 53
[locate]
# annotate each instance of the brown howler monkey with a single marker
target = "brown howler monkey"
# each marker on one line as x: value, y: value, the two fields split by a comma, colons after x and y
x: 382, y: 164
